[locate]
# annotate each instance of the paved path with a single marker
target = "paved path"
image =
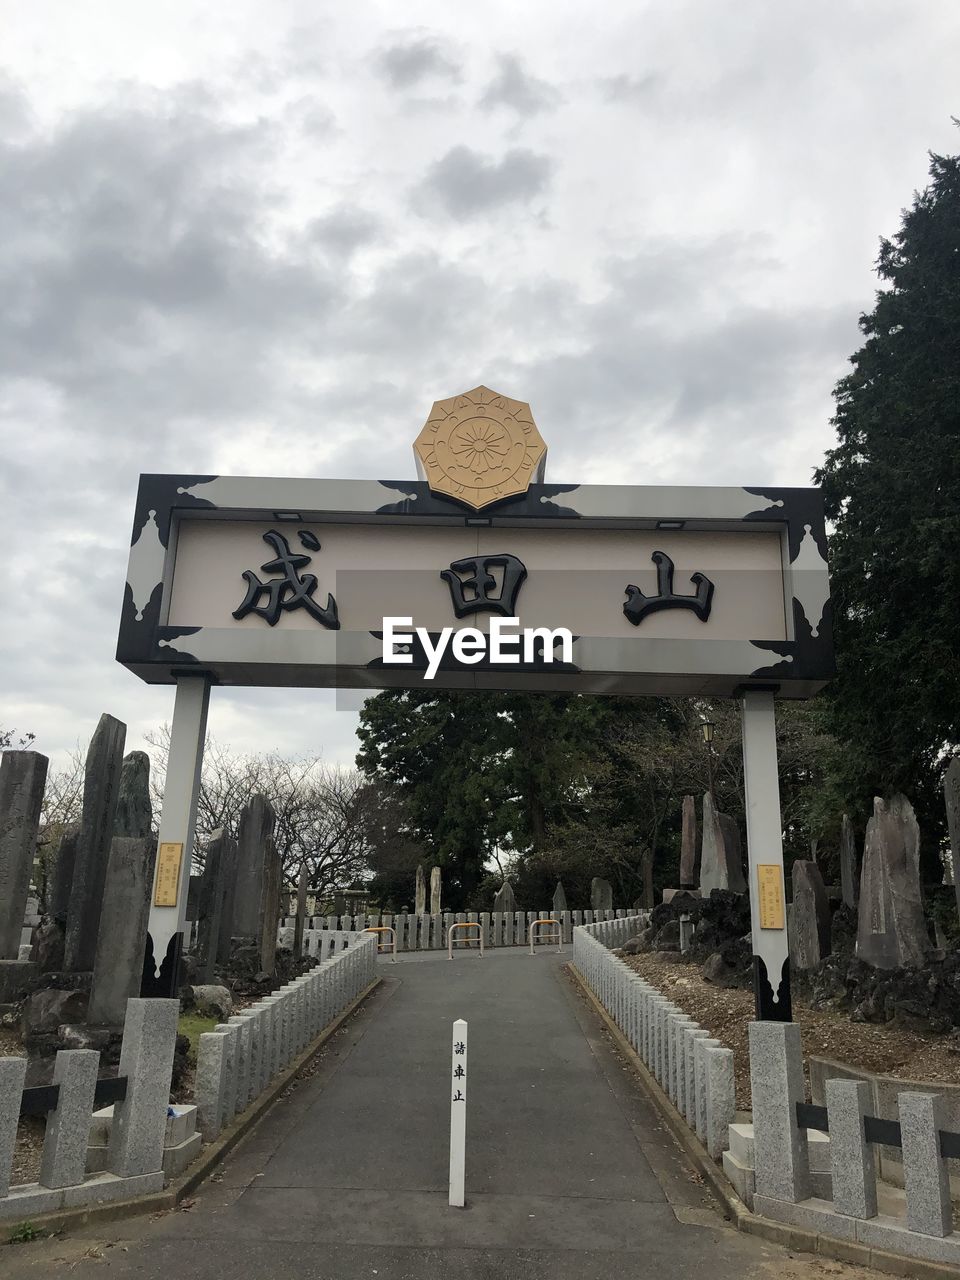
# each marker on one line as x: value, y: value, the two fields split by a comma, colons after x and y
x: 570, y: 1176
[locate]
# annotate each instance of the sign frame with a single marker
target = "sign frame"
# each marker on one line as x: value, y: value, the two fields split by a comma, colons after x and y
x: 799, y: 665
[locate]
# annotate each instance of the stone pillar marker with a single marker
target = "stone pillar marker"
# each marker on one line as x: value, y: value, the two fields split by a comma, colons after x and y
x: 269, y: 909
x: 118, y: 963
x: 13, y: 1072
x: 101, y: 789
x: 559, y: 899
x: 811, y: 916
x: 23, y: 775
x: 146, y: 1059
x: 435, y: 891
x: 210, y: 907
x: 302, y: 886
x: 257, y: 822
x: 503, y: 899
x: 420, y: 892
x: 688, y: 844
x: 229, y: 853
x: 849, y: 880
x: 891, y: 930
x: 951, y: 797
x: 134, y: 810
x: 601, y: 895
x: 61, y: 875
x: 721, y: 861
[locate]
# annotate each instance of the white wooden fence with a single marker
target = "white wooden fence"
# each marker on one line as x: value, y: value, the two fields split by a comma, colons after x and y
x: 238, y: 1060
x: 694, y: 1070
x: 324, y: 934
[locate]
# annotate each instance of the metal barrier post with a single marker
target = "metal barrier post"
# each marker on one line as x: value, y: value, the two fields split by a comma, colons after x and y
x: 551, y: 937
x: 384, y: 928
x: 464, y: 924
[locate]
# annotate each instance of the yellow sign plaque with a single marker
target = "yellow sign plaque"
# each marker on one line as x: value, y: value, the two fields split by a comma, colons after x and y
x: 169, y: 858
x: 480, y: 447
x: 770, y: 885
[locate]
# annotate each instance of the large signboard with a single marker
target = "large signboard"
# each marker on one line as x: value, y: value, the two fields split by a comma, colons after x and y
x: 265, y: 581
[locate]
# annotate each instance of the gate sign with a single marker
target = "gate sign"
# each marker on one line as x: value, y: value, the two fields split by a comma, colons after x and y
x: 478, y: 574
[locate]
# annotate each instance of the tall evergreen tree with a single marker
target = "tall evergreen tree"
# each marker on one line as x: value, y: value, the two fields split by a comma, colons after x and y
x: 892, y: 486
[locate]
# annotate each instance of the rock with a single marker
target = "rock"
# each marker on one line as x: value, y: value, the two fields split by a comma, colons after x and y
x: 212, y: 1001
x: 730, y: 966
x: 46, y: 1010
x: 17, y: 979
x: 632, y: 947
x: 668, y: 938
x: 80, y: 1036
x: 48, y: 944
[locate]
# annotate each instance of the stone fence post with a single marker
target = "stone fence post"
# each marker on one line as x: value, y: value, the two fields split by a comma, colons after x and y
x: 776, y: 1082
x: 146, y: 1059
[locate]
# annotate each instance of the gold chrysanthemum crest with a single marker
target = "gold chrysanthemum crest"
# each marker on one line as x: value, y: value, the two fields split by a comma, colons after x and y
x: 480, y: 447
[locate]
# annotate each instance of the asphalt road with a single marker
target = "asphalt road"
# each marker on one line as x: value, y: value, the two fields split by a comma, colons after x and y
x: 570, y: 1175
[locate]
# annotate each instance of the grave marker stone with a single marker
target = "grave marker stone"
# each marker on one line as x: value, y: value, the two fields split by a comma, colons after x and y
x: 23, y: 775
x: 134, y: 810
x: 420, y: 892
x: 257, y: 822
x: 101, y: 789
x: 849, y: 880
x: 891, y: 931
x: 559, y: 899
x: 688, y: 844
x: 810, y: 932
x: 210, y: 906
x: 721, y: 861
x: 118, y: 963
x: 435, y: 891
x: 503, y: 899
x: 601, y: 895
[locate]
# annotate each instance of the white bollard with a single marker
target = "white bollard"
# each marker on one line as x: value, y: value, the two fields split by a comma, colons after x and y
x: 458, y: 1112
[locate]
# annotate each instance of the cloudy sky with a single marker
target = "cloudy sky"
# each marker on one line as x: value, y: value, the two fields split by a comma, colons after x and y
x: 262, y: 239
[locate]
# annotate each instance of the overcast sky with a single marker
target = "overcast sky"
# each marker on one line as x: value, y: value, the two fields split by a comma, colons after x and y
x: 262, y: 239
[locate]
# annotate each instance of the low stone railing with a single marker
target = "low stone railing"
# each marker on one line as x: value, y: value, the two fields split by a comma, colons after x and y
x: 838, y: 1197
x: 140, y: 1095
x: 694, y: 1070
x: 429, y: 932
x: 237, y: 1061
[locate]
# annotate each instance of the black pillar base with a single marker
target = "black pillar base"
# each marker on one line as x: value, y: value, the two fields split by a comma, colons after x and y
x: 770, y: 1009
x: 164, y: 985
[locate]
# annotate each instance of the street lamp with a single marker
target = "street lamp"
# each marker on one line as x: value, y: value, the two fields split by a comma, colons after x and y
x: 706, y: 728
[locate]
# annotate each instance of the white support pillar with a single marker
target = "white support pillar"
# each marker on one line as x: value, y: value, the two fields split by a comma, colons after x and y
x: 458, y: 1113
x: 761, y: 784
x: 177, y: 821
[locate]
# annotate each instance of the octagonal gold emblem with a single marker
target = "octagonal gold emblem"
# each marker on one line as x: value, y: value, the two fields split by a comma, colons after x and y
x: 480, y: 447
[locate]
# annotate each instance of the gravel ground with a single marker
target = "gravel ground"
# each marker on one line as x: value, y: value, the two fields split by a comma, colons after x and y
x: 887, y: 1050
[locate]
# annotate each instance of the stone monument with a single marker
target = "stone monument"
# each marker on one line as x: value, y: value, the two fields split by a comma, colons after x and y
x: 257, y: 822
x: 601, y: 895
x: 688, y: 844
x: 849, y: 880
x: 559, y: 899
x: 503, y: 899
x: 811, y: 916
x: 951, y: 796
x: 891, y: 931
x: 435, y: 887
x: 101, y: 791
x: 420, y: 892
x: 23, y: 776
x: 721, y: 861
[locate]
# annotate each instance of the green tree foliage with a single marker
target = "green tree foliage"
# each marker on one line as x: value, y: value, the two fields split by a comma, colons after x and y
x: 892, y: 486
